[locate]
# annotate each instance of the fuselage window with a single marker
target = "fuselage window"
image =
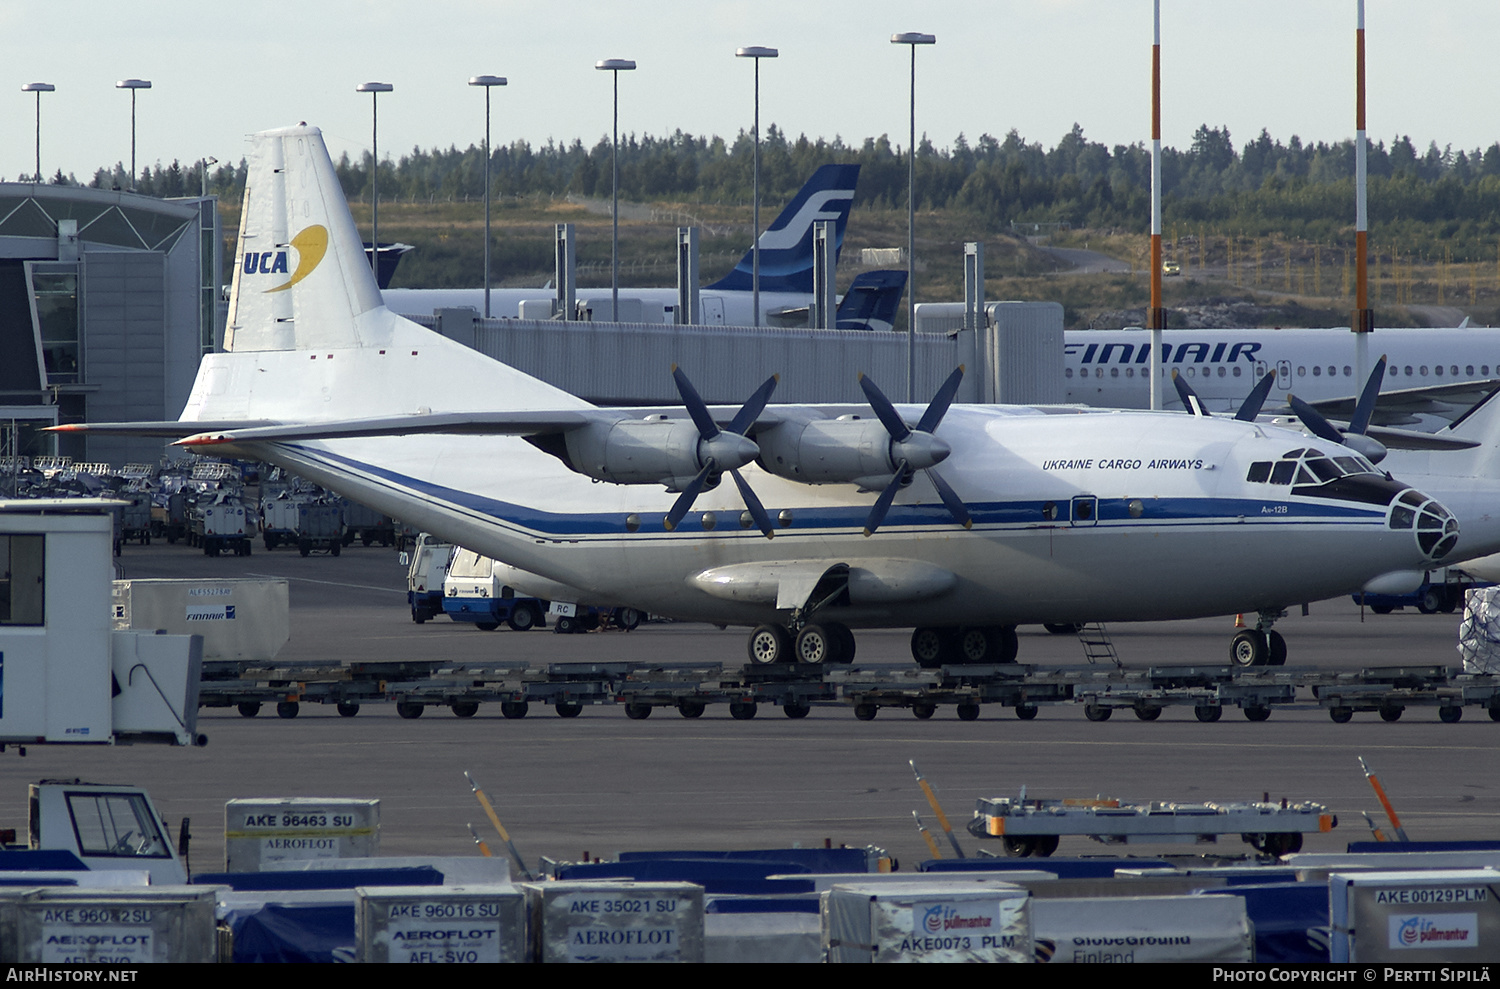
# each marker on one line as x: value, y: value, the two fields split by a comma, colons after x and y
x: 1317, y: 372
x: 1114, y: 372
x: 1067, y: 372
x: 1423, y: 369
x: 1438, y: 370
x: 1237, y: 371
x: 1301, y: 372
x: 1454, y: 369
x: 1408, y: 370
x: 1469, y: 370
x: 1348, y: 371
x: 1260, y: 472
x: 1130, y: 372
x: 1484, y: 369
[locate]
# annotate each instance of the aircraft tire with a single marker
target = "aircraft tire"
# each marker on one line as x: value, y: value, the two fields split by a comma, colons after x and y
x: 843, y: 637
x: 978, y: 645
x: 817, y: 645
x: 1248, y: 648
x: 928, y: 647
x: 770, y: 644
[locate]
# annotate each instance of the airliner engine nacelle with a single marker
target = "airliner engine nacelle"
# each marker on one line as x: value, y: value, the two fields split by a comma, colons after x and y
x: 654, y: 450
x: 843, y: 450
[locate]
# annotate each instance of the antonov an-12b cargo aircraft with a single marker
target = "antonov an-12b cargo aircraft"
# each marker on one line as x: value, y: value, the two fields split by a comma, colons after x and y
x: 961, y: 521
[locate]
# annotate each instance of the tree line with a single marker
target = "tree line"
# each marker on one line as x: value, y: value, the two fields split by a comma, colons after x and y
x: 1429, y: 201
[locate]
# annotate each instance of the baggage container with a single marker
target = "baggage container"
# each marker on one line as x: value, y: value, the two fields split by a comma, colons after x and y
x: 1138, y: 929
x: 243, y: 620
x: 258, y: 831
x: 616, y: 922
x: 1414, y: 917
x: 933, y: 922
x: 440, y: 924
x: 65, y: 925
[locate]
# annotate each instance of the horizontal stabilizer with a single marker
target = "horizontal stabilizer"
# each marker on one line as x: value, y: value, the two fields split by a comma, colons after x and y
x: 176, y: 428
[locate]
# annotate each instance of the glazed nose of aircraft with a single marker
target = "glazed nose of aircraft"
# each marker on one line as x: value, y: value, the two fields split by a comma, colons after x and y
x: 1435, y: 527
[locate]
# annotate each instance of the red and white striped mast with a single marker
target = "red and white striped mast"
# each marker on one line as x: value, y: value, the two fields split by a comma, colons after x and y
x: 1363, y: 323
x: 1156, y: 318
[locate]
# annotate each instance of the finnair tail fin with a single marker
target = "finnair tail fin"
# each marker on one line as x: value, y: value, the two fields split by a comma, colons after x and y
x: 302, y: 280
x: 872, y: 301
x: 786, y: 248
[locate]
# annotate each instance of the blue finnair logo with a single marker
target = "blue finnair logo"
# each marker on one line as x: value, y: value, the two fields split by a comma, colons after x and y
x: 786, y: 248
x: 1117, y: 352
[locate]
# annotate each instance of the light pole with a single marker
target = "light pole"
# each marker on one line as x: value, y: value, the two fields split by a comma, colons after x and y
x: 912, y: 38
x: 616, y: 66
x: 38, y: 88
x: 487, y: 82
x: 756, y: 52
x: 132, y: 85
x: 374, y: 89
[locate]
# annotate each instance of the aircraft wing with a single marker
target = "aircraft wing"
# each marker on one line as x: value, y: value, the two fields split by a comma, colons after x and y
x: 1407, y: 406
x: 523, y: 423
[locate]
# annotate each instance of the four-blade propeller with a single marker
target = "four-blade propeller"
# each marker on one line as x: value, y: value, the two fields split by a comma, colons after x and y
x: 721, y: 450
x: 727, y: 450
x: 915, y: 449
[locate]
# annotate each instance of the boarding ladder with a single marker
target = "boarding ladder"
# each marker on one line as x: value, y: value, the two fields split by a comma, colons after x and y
x: 1096, y: 644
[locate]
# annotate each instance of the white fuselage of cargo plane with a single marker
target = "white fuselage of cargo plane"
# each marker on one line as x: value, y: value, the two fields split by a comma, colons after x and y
x: 1011, y: 514
x: 1133, y: 516
x: 1111, y: 368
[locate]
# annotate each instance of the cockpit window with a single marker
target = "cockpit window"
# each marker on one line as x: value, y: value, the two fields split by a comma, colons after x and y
x: 1308, y: 466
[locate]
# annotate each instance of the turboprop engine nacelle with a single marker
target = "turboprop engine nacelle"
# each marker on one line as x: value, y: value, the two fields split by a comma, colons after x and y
x: 844, y: 450
x: 654, y: 450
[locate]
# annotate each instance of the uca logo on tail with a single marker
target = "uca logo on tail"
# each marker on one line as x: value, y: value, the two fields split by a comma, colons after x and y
x: 311, y: 244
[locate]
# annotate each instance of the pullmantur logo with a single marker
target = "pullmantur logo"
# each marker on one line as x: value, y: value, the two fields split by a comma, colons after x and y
x: 311, y: 244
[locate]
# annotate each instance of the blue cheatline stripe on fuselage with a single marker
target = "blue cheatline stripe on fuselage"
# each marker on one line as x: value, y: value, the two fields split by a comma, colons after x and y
x: 1113, y: 513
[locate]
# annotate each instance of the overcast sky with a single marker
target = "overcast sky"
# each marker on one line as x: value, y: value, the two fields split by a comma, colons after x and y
x: 223, y: 70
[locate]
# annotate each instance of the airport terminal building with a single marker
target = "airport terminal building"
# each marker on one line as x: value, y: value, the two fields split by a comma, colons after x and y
x: 107, y: 302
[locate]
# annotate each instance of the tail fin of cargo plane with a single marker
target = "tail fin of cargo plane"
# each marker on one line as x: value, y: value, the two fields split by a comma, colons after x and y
x: 786, y: 248
x: 301, y: 280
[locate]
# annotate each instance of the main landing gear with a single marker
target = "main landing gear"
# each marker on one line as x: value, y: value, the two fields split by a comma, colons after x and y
x: 969, y: 645
x: 815, y: 644
x: 1259, y: 646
